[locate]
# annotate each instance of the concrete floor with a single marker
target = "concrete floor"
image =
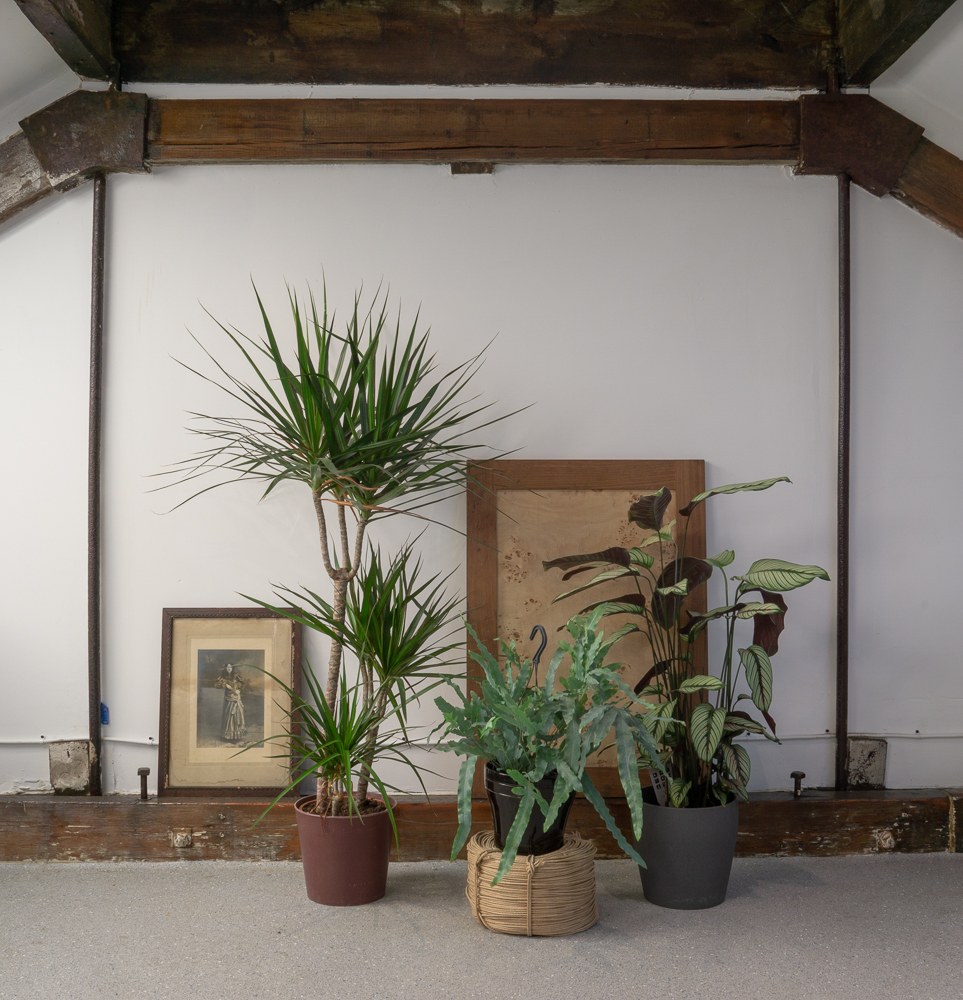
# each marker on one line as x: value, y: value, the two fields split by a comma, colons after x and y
x: 861, y: 928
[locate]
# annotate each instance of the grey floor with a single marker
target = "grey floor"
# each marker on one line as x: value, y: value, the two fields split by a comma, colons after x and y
x: 863, y: 928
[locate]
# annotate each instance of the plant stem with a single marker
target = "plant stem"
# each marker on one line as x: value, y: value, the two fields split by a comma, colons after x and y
x: 368, y: 755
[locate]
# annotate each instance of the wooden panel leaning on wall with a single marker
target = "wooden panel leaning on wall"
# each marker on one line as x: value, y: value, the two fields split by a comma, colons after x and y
x: 523, y: 512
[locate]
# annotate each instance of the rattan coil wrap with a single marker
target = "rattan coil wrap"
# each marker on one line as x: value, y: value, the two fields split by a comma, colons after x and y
x: 544, y: 896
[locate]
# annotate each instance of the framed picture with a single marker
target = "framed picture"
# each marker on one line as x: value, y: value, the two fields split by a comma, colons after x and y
x: 524, y: 512
x: 220, y: 669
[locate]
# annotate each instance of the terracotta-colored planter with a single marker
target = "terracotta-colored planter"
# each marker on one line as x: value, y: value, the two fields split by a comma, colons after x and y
x: 345, y: 858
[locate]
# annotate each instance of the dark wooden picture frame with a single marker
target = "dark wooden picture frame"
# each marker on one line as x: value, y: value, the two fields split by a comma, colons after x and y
x: 169, y: 616
x: 685, y: 478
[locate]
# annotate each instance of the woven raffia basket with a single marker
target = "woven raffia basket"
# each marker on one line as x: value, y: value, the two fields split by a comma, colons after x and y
x: 541, y: 896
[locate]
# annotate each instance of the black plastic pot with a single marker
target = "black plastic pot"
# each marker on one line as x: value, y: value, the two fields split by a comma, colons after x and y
x: 505, y: 802
x: 689, y: 853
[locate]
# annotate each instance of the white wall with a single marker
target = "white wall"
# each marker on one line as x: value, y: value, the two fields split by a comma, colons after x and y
x: 650, y: 312
x: 44, y: 357
x: 907, y: 544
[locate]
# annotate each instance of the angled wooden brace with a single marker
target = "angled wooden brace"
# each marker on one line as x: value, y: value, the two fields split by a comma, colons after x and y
x: 882, y: 152
x: 66, y: 143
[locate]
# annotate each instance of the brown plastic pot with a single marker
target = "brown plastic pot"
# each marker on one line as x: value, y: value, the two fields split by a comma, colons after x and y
x: 345, y: 858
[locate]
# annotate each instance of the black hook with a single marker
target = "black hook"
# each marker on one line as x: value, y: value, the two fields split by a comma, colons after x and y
x: 541, y: 648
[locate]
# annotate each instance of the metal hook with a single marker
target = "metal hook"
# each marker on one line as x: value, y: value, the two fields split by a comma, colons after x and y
x: 541, y: 648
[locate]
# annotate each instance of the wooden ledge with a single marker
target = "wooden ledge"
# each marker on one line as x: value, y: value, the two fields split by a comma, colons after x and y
x: 124, y: 828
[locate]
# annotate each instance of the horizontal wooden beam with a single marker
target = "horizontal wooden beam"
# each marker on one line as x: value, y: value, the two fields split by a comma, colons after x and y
x: 932, y: 183
x: 88, y: 132
x: 873, y: 34
x: 79, y: 31
x: 123, y: 828
x: 686, y: 43
x: 463, y: 131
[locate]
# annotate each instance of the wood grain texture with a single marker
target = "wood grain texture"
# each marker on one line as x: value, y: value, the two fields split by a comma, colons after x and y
x: 22, y: 178
x: 688, y: 43
x: 78, y: 30
x: 873, y: 34
x: 932, y: 183
x: 464, y: 131
x: 773, y: 824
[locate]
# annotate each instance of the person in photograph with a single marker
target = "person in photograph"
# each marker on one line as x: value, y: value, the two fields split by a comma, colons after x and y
x: 232, y: 718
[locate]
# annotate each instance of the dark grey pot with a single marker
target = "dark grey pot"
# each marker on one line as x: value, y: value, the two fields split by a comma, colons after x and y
x: 689, y: 853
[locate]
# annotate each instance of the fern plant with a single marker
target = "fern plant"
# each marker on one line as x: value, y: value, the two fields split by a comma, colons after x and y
x: 531, y: 731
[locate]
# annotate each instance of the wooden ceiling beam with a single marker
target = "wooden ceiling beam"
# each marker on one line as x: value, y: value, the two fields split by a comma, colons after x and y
x: 87, y: 132
x: 685, y: 43
x: 873, y: 34
x: 465, y: 131
x: 79, y: 31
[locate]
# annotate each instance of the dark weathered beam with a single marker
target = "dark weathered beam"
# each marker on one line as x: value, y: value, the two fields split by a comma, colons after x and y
x: 123, y: 828
x: 464, y: 131
x: 22, y: 178
x: 88, y: 132
x: 82, y: 134
x: 873, y: 34
x: 857, y: 135
x: 932, y: 183
x: 79, y: 31
x: 686, y: 43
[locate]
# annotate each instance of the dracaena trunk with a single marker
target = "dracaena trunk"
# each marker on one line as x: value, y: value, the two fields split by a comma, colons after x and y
x: 369, y: 751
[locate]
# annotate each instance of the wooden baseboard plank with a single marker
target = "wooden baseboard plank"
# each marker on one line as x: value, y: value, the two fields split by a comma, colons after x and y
x: 123, y: 828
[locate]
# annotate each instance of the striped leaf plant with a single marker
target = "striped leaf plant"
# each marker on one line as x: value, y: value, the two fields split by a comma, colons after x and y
x: 699, y: 716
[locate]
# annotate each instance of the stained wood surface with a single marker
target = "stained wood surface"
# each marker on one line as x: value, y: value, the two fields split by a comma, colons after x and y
x: 873, y: 34
x: 857, y: 135
x: 464, y: 131
x: 688, y: 43
x: 22, y: 179
x: 123, y: 828
x: 78, y: 30
x: 932, y: 183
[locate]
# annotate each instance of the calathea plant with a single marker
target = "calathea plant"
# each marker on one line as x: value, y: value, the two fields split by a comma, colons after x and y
x: 531, y: 731
x: 698, y: 717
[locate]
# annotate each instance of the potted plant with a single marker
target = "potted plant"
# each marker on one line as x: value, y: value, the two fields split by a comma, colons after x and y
x: 690, y: 828
x: 363, y: 419
x: 535, y: 740
x: 397, y: 628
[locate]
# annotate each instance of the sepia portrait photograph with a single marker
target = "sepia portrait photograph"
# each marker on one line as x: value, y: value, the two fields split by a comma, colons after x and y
x: 226, y: 675
x: 230, y: 697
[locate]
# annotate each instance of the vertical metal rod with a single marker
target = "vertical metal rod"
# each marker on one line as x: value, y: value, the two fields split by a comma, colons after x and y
x: 93, y: 479
x: 842, y: 489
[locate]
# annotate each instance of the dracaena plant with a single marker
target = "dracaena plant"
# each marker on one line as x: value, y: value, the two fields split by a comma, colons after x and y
x: 530, y: 731
x: 400, y: 629
x: 362, y: 417
x: 698, y: 715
